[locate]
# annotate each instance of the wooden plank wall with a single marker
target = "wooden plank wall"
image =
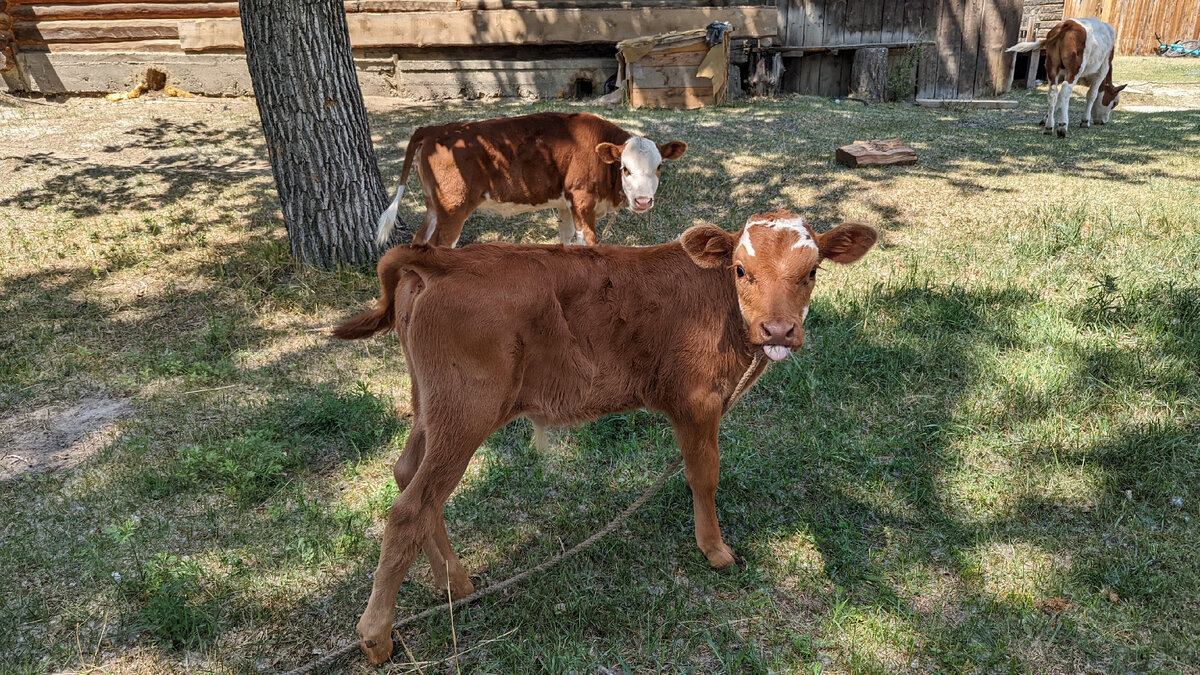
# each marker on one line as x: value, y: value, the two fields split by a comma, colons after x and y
x: 154, y: 25
x: 1137, y: 21
x: 967, y: 61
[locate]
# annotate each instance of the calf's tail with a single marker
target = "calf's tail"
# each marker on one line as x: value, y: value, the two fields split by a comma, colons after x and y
x: 392, y: 267
x: 1026, y: 46
x: 387, y: 219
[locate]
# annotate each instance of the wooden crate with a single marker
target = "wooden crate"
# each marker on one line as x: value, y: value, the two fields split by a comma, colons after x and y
x: 674, y: 70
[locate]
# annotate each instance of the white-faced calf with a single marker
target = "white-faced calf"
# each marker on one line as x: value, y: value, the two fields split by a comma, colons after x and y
x: 579, y: 164
x: 564, y: 335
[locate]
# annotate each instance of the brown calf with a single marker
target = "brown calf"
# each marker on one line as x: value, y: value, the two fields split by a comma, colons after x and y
x: 579, y: 164
x: 1078, y: 51
x: 603, y: 330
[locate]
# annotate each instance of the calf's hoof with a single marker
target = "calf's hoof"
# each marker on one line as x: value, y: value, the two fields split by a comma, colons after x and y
x: 720, y: 558
x: 1049, y: 129
x: 1083, y: 124
x: 1098, y: 122
x: 1061, y: 130
x: 378, y: 649
x: 461, y: 589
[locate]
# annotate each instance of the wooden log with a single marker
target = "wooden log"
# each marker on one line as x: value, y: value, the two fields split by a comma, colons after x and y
x: 966, y: 103
x: 126, y: 46
x: 125, y: 10
x: 503, y: 27
x: 95, y: 31
x: 869, y: 74
x: 876, y: 153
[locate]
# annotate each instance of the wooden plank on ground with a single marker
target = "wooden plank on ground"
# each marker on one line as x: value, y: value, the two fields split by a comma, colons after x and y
x: 966, y: 103
x: 504, y: 27
x: 892, y: 151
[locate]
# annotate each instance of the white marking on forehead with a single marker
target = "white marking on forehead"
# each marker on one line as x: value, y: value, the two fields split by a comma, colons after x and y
x: 796, y: 224
x: 744, y: 242
x: 640, y: 155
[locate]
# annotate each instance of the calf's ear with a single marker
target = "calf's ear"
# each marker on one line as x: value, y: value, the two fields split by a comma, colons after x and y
x: 708, y: 246
x: 610, y: 153
x: 673, y: 150
x: 846, y: 243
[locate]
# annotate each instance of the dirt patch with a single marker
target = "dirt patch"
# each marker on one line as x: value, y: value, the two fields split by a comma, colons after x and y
x: 57, y: 436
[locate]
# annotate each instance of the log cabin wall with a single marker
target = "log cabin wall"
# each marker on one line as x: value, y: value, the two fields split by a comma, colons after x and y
x: 962, y: 43
x: 421, y: 49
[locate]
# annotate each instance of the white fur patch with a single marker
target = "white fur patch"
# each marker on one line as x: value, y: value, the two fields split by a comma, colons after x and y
x: 744, y: 242
x: 432, y: 225
x: 803, y: 237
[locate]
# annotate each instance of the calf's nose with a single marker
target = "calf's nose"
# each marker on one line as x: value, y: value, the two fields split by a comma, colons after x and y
x: 777, y: 332
x: 643, y: 203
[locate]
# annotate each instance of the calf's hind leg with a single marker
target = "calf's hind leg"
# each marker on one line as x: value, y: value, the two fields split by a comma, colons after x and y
x: 412, y: 518
x: 447, y: 570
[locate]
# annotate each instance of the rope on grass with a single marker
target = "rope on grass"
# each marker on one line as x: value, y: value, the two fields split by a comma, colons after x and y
x: 333, y: 657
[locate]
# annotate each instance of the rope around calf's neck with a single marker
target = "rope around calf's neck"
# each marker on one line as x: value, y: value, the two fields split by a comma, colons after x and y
x: 335, y: 656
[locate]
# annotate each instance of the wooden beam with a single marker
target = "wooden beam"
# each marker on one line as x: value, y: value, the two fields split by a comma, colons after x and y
x: 966, y: 103
x: 95, y: 31
x: 801, y: 50
x: 504, y: 27
x: 125, y: 10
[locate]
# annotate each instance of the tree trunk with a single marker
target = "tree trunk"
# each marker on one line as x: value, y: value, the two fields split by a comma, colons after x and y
x: 315, y: 123
x: 869, y: 75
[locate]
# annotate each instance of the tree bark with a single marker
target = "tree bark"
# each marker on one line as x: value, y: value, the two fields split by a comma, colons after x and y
x: 868, y: 74
x: 315, y: 123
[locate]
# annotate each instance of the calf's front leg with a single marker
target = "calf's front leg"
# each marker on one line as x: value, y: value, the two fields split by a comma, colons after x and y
x: 697, y: 436
x: 583, y: 215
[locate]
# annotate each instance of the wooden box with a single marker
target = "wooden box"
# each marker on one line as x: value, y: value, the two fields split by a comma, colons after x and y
x: 674, y: 70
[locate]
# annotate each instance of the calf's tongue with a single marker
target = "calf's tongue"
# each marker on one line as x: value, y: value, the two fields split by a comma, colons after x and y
x: 776, y: 352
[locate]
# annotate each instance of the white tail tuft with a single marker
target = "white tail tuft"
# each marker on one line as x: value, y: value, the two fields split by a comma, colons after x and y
x: 1025, y: 46
x: 387, y: 219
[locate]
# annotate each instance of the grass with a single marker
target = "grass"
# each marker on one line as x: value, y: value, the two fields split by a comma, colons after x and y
x: 984, y: 460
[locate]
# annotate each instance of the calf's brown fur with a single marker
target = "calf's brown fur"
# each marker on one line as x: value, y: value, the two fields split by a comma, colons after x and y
x: 564, y: 335
x: 580, y: 164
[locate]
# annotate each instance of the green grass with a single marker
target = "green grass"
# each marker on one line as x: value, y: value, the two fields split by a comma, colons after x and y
x: 997, y: 407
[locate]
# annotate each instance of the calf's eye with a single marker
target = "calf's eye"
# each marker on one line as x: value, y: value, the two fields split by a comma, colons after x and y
x: 740, y: 272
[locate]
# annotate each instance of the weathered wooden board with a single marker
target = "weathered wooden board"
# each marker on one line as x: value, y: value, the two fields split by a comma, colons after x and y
x: 124, y: 46
x: 653, y: 76
x: 876, y: 153
x: 966, y: 103
x: 504, y: 27
x: 671, y: 97
x: 96, y: 31
x: 125, y: 10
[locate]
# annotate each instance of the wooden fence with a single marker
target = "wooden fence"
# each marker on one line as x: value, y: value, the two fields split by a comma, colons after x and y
x: 962, y: 42
x: 1137, y: 21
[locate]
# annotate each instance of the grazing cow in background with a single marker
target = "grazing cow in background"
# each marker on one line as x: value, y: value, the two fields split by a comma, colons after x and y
x: 559, y: 335
x: 579, y: 164
x: 1078, y: 51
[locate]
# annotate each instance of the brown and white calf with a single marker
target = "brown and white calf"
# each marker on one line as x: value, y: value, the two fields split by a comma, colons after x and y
x: 579, y: 164
x: 562, y: 335
x: 1078, y: 51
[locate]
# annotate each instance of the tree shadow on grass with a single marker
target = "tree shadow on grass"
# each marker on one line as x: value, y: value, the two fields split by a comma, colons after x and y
x: 734, y: 169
